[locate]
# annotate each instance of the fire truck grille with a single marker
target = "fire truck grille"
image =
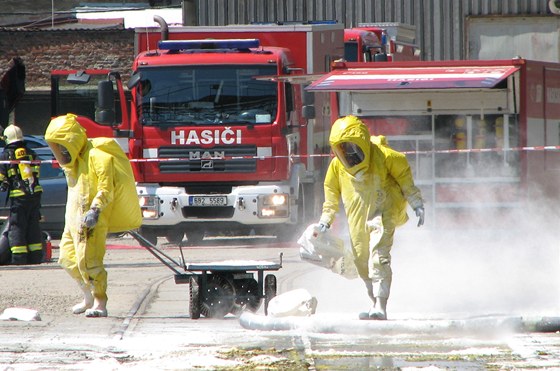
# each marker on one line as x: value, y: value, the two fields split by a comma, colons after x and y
x: 231, y: 159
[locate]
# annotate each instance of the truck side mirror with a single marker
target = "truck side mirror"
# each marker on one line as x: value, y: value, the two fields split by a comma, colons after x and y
x: 289, y: 97
x: 78, y: 78
x: 134, y: 80
x: 380, y: 57
x: 105, y: 111
x: 308, y: 101
x: 308, y: 98
x: 308, y: 112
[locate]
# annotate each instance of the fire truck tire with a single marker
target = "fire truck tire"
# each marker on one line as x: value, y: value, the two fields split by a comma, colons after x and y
x: 174, y: 236
x: 194, y: 237
x: 194, y: 298
x: 150, y: 235
x: 287, y: 233
x: 269, y: 290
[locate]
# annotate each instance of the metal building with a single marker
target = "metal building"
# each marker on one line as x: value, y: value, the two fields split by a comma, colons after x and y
x: 441, y: 25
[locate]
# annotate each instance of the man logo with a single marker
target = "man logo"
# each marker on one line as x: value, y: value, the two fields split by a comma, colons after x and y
x: 206, y: 155
x: 206, y: 164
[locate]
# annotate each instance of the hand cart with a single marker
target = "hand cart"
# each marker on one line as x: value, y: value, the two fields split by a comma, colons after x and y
x: 219, y: 288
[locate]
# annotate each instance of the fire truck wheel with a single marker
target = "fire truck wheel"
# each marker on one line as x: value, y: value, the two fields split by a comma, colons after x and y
x: 174, y: 236
x: 194, y: 237
x: 150, y: 235
x: 287, y: 233
x: 309, y: 211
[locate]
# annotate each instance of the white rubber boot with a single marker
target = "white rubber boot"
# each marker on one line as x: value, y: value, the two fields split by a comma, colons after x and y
x: 99, y: 308
x: 379, y: 310
x: 369, y: 287
x: 365, y: 315
x: 86, y: 303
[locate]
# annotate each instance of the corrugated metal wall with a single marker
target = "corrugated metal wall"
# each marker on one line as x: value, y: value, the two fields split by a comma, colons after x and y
x: 440, y: 24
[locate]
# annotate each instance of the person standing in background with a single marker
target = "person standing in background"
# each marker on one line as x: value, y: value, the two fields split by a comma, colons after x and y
x: 20, y: 177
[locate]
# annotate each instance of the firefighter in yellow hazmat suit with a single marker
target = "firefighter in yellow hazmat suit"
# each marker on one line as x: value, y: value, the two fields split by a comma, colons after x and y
x: 101, y: 198
x: 374, y: 182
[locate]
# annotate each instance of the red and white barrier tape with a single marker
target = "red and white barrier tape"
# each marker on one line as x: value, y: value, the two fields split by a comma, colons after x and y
x: 442, y: 151
x: 479, y: 150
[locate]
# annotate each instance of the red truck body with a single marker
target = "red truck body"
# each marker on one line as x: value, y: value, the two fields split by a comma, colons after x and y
x: 482, y: 137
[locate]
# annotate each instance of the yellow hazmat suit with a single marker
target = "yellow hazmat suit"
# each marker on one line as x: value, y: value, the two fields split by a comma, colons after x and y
x: 101, y: 189
x: 373, y: 180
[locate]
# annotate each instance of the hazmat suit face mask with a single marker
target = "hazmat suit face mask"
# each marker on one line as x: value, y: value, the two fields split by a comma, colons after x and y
x: 61, y: 153
x: 350, y: 154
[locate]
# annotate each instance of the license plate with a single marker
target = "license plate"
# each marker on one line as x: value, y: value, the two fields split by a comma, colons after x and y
x: 207, y: 201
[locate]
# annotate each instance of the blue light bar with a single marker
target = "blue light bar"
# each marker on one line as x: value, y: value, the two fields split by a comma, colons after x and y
x: 177, y: 45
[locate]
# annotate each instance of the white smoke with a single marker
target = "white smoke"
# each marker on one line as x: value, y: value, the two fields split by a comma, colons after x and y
x: 462, y: 272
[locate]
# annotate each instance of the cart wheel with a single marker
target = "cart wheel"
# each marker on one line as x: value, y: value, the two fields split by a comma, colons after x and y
x: 269, y: 290
x: 194, y: 303
x: 247, y: 295
x: 218, y: 297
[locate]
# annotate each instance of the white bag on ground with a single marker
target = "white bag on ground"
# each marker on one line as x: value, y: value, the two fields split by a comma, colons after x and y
x: 297, y: 302
x: 20, y: 314
x: 327, y: 251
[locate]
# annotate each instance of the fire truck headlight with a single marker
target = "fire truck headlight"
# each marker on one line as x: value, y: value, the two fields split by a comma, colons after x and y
x: 274, y: 206
x: 149, y: 206
x: 279, y: 200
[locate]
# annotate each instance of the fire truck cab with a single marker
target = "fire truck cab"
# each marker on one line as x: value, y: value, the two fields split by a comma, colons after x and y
x: 381, y: 42
x: 362, y: 45
x: 219, y: 143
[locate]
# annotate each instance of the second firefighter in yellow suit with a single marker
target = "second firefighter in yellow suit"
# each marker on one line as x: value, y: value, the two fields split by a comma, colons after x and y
x: 375, y: 183
x: 101, y: 198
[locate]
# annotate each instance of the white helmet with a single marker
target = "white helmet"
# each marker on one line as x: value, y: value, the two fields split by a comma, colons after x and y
x: 13, y: 134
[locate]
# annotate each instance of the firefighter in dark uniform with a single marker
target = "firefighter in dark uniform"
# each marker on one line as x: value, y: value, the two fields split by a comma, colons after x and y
x: 21, y: 180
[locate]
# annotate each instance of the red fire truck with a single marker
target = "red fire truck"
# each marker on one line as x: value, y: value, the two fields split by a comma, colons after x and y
x: 482, y: 136
x: 216, y: 145
x: 372, y: 43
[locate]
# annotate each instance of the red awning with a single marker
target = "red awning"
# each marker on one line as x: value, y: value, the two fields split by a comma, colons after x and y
x: 412, y: 78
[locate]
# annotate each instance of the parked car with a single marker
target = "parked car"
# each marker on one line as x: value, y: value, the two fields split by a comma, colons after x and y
x: 53, y: 200
x: 33, y: 141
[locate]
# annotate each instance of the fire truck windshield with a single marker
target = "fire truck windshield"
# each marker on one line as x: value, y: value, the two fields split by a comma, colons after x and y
x: 206, y: 95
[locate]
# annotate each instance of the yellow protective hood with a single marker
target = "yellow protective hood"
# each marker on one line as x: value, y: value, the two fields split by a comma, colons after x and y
x: 352, y: 129
x: 67, y: 131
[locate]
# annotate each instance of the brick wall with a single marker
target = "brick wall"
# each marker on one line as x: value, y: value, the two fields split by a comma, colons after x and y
x: 43, y: 51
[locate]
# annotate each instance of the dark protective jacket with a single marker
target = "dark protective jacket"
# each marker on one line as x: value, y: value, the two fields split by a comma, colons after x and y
x: 23, y: 177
